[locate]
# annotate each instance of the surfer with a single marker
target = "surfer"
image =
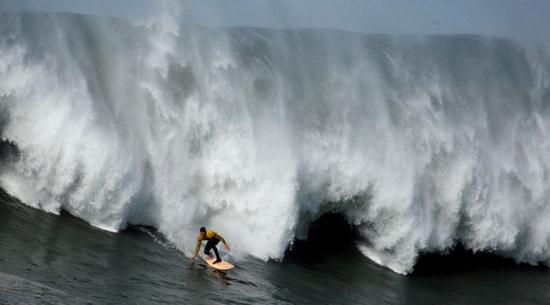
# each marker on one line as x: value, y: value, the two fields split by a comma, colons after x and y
x: 213, y: 239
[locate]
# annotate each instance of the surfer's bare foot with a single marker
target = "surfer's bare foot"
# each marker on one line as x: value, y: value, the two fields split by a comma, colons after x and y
x: 217, y: 261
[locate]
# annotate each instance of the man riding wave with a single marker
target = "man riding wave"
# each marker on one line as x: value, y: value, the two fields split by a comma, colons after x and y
x: 212, y: 239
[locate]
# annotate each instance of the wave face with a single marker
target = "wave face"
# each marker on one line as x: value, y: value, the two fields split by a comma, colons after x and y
x: 420, y: 142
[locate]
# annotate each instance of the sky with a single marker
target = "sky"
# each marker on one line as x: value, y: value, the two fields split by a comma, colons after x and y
x: 521, y: 19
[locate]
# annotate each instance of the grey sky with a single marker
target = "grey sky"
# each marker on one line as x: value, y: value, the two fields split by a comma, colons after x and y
x: 527, y: 19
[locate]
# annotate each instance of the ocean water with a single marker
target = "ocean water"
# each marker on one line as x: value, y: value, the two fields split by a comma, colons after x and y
x: 48, y: 259
x: 341, y: 167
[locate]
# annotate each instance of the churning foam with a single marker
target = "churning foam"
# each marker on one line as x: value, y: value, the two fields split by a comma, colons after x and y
x: 421, y: 142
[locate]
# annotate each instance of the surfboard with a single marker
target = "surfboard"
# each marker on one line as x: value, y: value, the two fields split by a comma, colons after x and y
x: 223, y: 265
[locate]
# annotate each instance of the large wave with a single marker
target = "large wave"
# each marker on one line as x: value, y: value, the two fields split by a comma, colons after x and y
x: 419, y: 141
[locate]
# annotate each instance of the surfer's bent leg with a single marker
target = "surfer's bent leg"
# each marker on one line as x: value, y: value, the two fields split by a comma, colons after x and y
x: 211, y: 244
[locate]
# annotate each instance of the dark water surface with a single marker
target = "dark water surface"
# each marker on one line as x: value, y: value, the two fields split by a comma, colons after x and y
x: 59, y: 259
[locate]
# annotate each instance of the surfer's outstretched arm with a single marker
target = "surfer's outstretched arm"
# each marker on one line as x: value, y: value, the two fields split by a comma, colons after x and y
x: 218, y: 236
x: 197, y: 247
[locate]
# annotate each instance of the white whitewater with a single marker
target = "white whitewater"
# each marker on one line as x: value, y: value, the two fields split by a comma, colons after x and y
x: 421, y: 142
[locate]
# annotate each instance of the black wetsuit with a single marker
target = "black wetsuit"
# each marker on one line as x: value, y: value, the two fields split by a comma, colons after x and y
x: 211, y: 244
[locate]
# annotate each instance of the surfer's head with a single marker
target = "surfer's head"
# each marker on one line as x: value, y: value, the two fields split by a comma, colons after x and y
x: 202, y: 230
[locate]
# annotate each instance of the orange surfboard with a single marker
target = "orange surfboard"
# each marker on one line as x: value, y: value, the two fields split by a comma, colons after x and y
x: 223, y: 265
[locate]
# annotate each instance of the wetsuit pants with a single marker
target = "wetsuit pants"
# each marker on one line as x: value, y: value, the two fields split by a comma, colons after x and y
x: 211, y: 244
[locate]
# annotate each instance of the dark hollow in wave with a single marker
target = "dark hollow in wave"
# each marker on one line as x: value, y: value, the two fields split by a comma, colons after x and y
x: 330, y: 234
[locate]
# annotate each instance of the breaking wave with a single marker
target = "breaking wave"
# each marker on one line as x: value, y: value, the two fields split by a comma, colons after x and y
x: 421, y: 142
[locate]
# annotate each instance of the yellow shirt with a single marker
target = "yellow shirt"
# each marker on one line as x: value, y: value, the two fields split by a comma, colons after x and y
x: 209, y: 235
